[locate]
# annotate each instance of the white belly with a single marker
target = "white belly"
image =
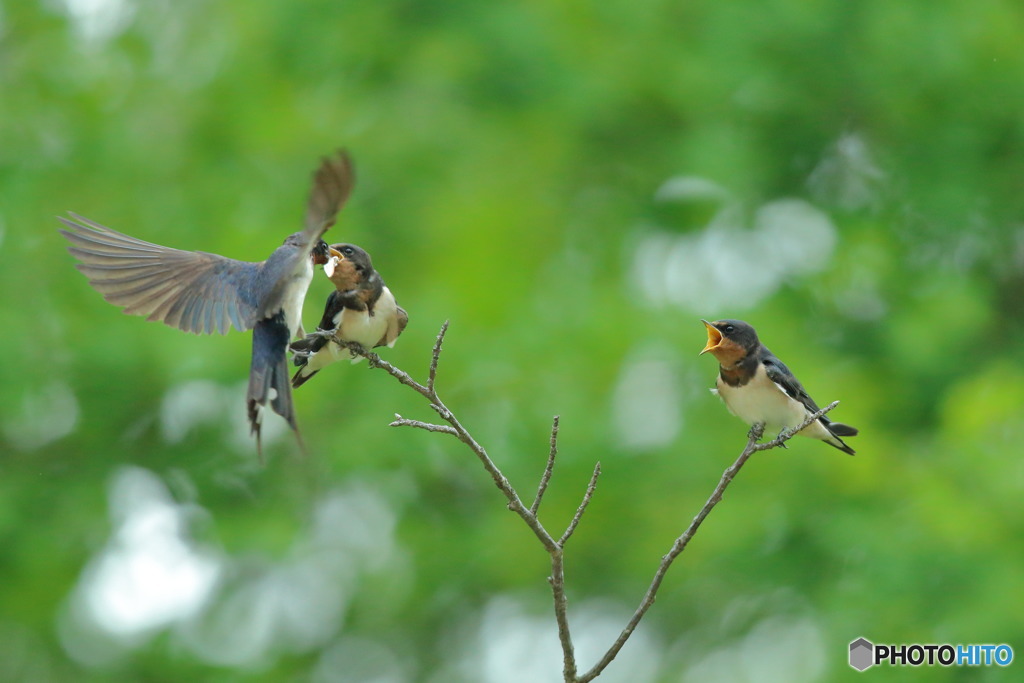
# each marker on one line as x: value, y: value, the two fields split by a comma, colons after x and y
x: 295, y: 294
x: 361, y: 327
x: 761, y: 400
x: 355, y: 326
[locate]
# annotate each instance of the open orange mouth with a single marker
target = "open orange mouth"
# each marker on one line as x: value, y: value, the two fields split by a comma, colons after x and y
x: 714, y: 338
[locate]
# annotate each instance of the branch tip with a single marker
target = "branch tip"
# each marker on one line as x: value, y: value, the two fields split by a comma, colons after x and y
x: 435, y: 356
x: 591, y: 486
x: 549, y: 468
x: 427, y: 426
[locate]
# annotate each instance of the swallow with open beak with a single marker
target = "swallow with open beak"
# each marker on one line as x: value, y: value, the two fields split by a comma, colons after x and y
x: 203, y: 293
x: 757, y: 387
x: 361, y: 309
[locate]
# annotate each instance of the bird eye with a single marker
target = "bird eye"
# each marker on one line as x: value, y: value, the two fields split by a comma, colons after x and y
x: 729, y: 329
x: 347, y: 251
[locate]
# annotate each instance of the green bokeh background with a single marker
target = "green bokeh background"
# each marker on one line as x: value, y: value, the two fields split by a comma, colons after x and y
x: 517, y: 161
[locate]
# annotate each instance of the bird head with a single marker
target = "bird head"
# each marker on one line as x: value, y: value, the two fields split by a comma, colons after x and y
x: 321, y: 253
x: 729, y: 340
x: 348, y: 266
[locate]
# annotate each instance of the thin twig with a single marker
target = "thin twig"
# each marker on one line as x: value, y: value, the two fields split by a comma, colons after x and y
x: 434, y: 357
x: 583, y: 505
x: 514, y: 503
x: 680, y: 543
x: 403, y: 422
x: 546, y: 477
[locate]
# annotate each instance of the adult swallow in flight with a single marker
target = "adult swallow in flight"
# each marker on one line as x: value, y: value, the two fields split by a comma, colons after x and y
x: 361, y: 309
x: 203, y: 293
x: 758, y: 387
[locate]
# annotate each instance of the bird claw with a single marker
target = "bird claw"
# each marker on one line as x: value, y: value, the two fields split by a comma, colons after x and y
x: 356, y: 348
x: 323, y: 334
x: 756, y: 431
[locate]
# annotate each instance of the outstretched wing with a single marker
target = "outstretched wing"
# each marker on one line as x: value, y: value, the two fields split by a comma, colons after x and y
x: 332, y: 185
x: 191, y: 290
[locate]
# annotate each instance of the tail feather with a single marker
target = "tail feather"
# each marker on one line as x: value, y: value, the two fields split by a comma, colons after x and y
x: 305, y: 350
x: 839, y: 429
x: 840, y: 444
x: 298, y: 379
x: 268, y: 375
x: 309, y: 344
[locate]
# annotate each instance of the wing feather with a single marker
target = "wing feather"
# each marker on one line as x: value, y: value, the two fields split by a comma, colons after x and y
x: 395, y: 327
x: 784, y: 379
x: 192, y: 290
x: 332, y: 184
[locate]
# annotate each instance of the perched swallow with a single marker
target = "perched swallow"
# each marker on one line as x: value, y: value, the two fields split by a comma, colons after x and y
x: 757, y: 387
x: 361, y: 309
x: 203, y: 293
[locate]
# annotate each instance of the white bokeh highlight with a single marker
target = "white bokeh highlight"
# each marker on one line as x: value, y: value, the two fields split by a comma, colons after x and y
x: 728, y: 265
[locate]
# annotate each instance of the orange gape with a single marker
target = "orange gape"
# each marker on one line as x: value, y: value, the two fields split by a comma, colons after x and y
x: 728, y: 353
x: 725, y: 350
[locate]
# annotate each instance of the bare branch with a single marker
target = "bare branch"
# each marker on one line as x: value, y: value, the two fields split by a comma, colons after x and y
x: 375, y: 361
x: 583, y: 505
x: 460, y: 432
x: 557, y: 581
x: 435, y: 356
x: 680, y: 543
x: 402, y: 422
x: 546, y: 477
x: 514, y: 503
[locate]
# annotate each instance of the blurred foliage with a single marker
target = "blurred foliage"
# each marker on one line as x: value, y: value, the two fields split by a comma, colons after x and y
x: 516, y: 162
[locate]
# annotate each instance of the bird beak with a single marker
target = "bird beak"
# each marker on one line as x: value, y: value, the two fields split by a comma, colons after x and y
x: 714, y: 338
x: 336, y: 254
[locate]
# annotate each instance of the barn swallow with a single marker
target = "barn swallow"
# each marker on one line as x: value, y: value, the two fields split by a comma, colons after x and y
x: 203, y: 293
x: 361, y: 309
x: 757, y: 387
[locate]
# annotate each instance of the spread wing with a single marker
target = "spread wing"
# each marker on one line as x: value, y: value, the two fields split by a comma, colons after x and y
x: 332, y: 185
x: 191, y: 290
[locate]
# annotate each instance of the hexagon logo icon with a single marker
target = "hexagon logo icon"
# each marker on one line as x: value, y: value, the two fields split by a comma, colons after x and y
x: 861, y: 654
